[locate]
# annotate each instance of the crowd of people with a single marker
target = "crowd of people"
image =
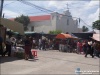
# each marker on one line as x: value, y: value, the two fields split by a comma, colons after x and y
x: 28, y: 42
x: 77, y: 46
x: 8, y: 43
x: 89, y: 47
x: 80, y: 47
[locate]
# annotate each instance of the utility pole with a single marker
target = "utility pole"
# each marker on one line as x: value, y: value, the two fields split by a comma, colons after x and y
x: 3, y: 15
x: 1, y: 8
x: 99, y: 35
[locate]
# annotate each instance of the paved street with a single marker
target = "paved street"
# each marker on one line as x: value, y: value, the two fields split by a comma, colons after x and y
x: 49, y: 62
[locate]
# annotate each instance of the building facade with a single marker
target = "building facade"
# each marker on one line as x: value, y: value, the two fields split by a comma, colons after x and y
x: 52, y: 22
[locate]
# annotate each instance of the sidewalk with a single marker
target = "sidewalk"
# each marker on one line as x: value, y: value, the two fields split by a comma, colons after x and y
x: 49, y: 62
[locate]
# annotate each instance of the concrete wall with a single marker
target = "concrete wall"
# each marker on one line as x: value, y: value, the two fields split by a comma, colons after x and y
x: 42, y: 26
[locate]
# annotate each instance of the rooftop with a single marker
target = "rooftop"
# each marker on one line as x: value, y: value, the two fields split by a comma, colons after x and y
x: 37, y: 18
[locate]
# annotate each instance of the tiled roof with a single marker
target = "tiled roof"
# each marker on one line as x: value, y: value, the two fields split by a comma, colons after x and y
x: 37, y: 18
x: 11, y: 19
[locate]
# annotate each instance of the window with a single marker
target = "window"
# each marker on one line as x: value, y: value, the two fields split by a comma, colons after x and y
x: 52, y: 17
x: 67, y: 21
x: 32, y: 28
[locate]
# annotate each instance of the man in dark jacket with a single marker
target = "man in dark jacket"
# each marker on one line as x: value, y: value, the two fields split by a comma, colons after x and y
x: 89, y: 49
x: 1, y: 49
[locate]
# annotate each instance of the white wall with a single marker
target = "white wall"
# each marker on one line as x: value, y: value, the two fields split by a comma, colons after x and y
x: 42, y: 26
x: 56, y: 23
x: 62, y: 23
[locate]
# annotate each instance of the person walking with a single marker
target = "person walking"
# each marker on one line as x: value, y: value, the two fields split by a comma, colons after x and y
x: 89, y: 49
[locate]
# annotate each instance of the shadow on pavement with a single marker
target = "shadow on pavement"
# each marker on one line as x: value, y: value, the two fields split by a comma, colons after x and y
x: 33, y: 60
x: 8, y: 59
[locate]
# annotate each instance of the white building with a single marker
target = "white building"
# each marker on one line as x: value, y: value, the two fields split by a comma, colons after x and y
x: 52, y: 22
x: 55, y: 21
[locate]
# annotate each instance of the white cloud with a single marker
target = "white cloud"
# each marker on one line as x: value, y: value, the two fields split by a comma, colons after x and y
x: 93, y: 3
x: 59, y: 4
x: 10, y: 14
x: 93, y: 17
x: 78, y: 9
x: 89, y: 12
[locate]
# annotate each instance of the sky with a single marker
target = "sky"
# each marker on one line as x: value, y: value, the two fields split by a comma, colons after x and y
x: 87, y: 10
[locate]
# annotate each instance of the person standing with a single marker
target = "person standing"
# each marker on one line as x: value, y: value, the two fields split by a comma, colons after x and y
x: 44, y: 44
x: 78, y: 47
x: 31, y: 43
x: 13, y: 40
x: 34, y: 43
x: 84, y: 47
x: 8, y: 46
x: 1, y: 49
x: 28, y: 46
x: 97, y: 50
x: 40, y: 44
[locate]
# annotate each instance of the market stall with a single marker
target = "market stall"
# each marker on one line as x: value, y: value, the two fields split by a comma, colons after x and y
x: 13, y: 25
x: 63, y: 36
x: 66, y: 42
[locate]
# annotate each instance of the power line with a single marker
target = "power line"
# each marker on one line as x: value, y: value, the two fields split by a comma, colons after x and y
x: 8, y: 4
x: 45, y: 10
x: 85, y: 23
x: 41, y: 8
x: 33, y: 5
x: 34, y: 13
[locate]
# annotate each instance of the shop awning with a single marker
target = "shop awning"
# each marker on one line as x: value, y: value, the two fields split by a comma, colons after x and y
x: 13, y: 25
x: 96, y: 37
x: 63, y: 36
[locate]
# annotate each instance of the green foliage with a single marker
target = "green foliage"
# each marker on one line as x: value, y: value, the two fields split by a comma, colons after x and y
x: 55, y: 32
x: 85, y: 29
x: 24, y: 20
x: 96, y: 25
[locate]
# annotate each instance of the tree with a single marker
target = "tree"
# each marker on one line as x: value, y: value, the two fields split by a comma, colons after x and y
x: 24, y: 20
x: 85, y: 29
x: 96, y: 25
x: 55, y: 32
